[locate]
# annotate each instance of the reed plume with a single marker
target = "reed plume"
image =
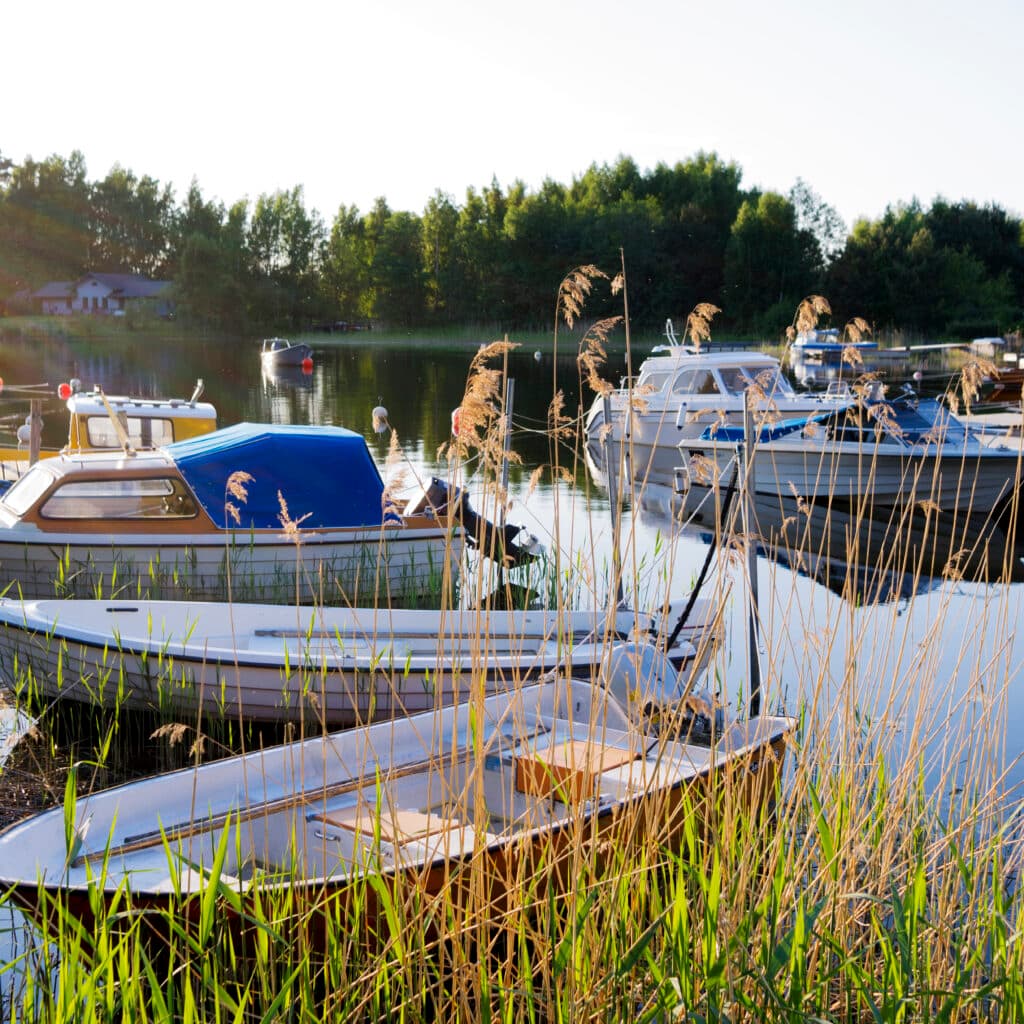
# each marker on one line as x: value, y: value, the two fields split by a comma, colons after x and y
x: 594, y: 353
x: 574, y: 289
x: 235, y: 486
x: 698, y: 323
x: 807, y: 315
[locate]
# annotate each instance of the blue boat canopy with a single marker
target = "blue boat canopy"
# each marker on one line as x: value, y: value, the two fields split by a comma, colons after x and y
x: 325, y: 473
x: 729, y: 433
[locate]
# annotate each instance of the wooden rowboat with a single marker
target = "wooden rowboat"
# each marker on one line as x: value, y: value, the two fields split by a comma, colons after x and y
x: 477, y: 796
x: 333, y: 666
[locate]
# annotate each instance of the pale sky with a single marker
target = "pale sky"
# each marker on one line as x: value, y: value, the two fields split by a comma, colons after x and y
x: 871, y: 102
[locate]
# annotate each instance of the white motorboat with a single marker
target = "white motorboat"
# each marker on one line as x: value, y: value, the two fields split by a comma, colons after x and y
x: 879, y: 453
x: 683, y: 389
x: 334, y: 666
x: 204, y: 518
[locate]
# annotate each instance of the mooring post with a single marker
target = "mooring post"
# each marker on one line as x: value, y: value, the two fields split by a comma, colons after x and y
x: 613, y: 496
x: 35, y: 430
x: 749, y: 485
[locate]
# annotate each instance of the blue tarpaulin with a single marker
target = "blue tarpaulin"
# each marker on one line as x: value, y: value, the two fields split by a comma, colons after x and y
x: 728, y: 433
x: 326, y: 473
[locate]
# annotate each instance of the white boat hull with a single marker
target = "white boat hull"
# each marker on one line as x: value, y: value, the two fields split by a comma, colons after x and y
x: 354, y: 565
x: 332, y: 666
x: 977, y: 479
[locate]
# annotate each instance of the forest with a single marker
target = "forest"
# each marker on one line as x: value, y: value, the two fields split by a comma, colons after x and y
x: 686, y: 233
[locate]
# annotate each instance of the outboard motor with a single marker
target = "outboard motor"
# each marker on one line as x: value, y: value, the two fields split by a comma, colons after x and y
x: 642, y: 679
x: 510, y: 545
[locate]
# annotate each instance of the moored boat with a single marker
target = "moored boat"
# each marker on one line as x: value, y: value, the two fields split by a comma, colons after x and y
x: 325, y: 666
x: 263, y: 510
x: 475, y: 798
x: 101, y: 422
x: 679, y: 392
x: 827, y: 342
x: 282, y: 352
x: 882, y: 454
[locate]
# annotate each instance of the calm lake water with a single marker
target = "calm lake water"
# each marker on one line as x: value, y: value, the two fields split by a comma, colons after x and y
x: 951, y: 646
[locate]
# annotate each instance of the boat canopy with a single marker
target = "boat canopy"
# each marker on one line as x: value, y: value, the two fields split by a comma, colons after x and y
x: 731, y: 433
x: 324, y: 473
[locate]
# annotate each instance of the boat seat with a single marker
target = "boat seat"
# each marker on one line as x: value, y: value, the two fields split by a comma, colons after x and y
x: 569, y: 770
x: 399, y: 827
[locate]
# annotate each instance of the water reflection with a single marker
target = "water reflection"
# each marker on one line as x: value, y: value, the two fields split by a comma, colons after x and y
x: 858, y: 552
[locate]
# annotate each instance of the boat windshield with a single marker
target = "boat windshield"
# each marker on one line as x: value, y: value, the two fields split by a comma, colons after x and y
x: 653, y: 383
x: 770, y: 380
x: 23, y: 494
x: 696, y: 382
x: 142, y: 431
x: 120, y: 499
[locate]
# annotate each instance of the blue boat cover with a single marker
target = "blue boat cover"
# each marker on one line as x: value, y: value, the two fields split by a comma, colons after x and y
x: 729, y: 433
x: 326, y: 473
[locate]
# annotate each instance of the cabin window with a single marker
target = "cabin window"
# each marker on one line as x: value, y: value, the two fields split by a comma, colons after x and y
x: 142, y: 431
x: 146, y: 498
x: 24, y: 493
x: 770, y: 381
x: 695, y: 382
x: 653, y: 382
x: 734, y: 379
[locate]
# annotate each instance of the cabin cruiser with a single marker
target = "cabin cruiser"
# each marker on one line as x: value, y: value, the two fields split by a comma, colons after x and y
x: 209, y: 517
x: 681, y: 390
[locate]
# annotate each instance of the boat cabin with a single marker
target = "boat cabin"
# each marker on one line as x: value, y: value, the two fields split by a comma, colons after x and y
x: 184, y: 487
x: 712, y: 375
x: 147, y: 422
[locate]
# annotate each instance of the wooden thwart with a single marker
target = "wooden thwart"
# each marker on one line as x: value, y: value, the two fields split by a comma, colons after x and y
x: 568, y: 771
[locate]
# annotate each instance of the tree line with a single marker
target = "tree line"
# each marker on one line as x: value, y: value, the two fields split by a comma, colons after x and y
x: 689, y: 233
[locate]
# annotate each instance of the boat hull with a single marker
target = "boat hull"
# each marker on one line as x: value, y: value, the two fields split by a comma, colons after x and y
x: 354, y: 565
x: 884, y: 476
x: 328, y: 666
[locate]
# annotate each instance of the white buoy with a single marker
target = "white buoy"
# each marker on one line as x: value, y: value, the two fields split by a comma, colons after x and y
x: 537, y: 356
x: 24, y: 434
x: 380, y: 420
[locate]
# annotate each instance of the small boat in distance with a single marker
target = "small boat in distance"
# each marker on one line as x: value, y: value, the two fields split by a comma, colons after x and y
x: 282, y: 352
x: 326, y: 666
x: 474, y: 799
x: 200, y: 516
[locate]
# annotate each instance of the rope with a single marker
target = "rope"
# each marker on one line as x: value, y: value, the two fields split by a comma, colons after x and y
x: 695, y: 593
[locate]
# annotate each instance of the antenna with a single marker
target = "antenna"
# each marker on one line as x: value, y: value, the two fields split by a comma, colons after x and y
x: 197, y: 393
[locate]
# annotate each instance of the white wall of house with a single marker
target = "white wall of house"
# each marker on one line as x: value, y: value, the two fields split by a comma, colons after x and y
x: 58, y: 307
x: 95, y: 297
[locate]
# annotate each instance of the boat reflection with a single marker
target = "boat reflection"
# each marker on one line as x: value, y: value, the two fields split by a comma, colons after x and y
x: 286, y: 376
x: 858, y: 553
